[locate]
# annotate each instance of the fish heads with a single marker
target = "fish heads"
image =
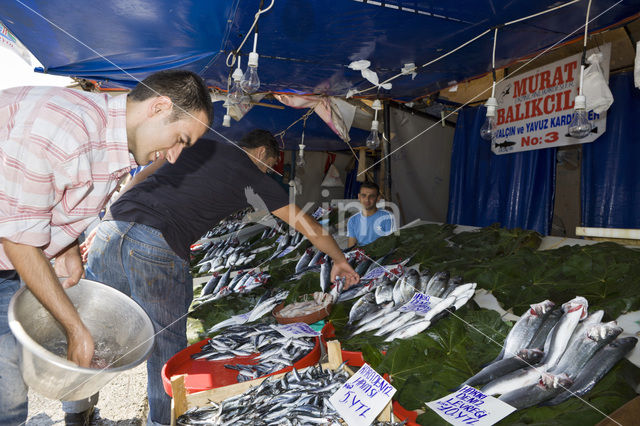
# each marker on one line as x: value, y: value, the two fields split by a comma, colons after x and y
x: 625, y: 344
x: 555, y: 381
x: 384, y: 293
x: 576, y: 304
x: 531, y: 356
x: 606, y: 331
x: 540, y: 309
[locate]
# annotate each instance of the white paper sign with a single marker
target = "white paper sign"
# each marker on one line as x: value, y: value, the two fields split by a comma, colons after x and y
x: 362, y: 397
x: 469, y: 406
x: 286, y: 251
x: 296, y: 329
x: 379, y: 271
x: 420, y: 303
x: 319, y: 213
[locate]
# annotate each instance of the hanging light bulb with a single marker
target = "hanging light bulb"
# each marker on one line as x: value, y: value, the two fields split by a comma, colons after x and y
x: 236, y: 94
x: 580, y: 126
x: 373, y: 141
x: 250, y: 82
x: 488, y: 129
x: 300, y: 160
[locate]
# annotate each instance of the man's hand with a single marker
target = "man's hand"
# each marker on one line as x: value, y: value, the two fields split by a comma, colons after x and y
x: 69, y: 264
x: 36, y: 271
x: 344, y: 270
x: 80, y: 347
x: 86, y: 245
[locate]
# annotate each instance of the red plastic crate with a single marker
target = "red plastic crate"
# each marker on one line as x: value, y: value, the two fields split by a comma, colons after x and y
x: 204, y: 375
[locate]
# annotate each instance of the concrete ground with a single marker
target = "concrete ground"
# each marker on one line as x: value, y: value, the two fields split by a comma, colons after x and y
x: 123, y: 402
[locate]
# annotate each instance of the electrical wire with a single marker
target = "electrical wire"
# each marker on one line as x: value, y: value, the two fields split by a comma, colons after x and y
x: 468, y: 42
x: 584, y: 46
x: 234, y: 53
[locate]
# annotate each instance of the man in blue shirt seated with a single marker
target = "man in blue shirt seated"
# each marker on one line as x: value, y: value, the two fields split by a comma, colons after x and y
x: 370, y: 224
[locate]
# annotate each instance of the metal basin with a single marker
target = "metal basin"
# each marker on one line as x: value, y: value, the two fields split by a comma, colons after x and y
x: 121, y: 331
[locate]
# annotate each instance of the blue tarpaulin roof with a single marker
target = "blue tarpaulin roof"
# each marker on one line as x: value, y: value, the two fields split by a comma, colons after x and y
x: 304, y: 46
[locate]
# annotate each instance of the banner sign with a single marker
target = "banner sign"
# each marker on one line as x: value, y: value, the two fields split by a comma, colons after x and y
x: 9, y: 41
x: 534, y: 108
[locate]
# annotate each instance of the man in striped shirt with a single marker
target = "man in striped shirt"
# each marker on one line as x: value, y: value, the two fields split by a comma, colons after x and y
x: 62, y: 153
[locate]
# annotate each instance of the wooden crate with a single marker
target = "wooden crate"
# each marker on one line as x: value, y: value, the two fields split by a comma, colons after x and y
x: 182, y: 401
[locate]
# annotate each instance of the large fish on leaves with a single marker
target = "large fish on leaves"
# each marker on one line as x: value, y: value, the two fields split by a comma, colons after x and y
x: 597, y: 367
x: 555, y: 345
x: 525, y: 328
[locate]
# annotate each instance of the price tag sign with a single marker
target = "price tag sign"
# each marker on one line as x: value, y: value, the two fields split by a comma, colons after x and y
x: 469, y: 406
x: 296, y: 329
x: 420, y: 303
x: 362, y: 397
x: 286, y: 251
x: 379, y: 271
x: 319, y: 213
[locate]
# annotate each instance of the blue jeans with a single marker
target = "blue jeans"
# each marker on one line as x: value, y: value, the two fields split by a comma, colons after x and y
x: 136, y: 260
x: 13, y: 396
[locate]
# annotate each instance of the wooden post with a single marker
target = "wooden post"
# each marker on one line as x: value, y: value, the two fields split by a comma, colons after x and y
x: 179, y: 392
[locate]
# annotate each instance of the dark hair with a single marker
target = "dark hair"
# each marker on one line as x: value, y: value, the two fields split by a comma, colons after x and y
x: 370, y: 185
x: 257, y: 138
x: 187, y: 91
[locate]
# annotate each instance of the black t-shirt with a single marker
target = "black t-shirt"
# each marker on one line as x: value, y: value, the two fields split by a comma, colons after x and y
x: 208, y: 182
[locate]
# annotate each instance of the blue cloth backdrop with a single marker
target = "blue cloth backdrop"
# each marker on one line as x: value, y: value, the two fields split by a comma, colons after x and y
x: 610, y: 184
x: 516, y: 190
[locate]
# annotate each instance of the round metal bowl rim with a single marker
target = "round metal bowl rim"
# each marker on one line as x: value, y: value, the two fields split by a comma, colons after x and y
x: 25, y: 340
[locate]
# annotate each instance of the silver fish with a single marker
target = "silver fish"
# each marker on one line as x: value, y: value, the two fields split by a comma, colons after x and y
x: 582, y: 349
x: 529, y: 396
x: 597, y: 367
x: 525, y: 328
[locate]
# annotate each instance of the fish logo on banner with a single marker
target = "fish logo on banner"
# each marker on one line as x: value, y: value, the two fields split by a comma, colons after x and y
x: 534, y: 108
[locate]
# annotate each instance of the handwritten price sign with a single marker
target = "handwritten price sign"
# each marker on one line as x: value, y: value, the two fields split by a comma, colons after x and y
x: 469, y: 406
x: 362, y: 397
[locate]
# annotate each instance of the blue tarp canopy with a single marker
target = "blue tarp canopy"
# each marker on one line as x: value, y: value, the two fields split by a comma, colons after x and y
x: 304, y: 46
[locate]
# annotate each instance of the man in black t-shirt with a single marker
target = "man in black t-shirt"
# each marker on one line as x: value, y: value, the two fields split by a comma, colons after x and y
x: 142, y: 246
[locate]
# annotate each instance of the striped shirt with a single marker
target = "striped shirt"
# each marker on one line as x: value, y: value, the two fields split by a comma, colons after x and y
x: 62, y: 153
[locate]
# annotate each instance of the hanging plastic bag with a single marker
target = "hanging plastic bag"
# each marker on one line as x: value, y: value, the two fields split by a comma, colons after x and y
x: 595, y: 87
x: 332, y: 178
x: 636, y: 68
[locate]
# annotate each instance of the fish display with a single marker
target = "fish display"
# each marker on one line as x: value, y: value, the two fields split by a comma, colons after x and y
x: 578, y: 350
x: 382, y: 308
x: 221, y: 285
x: 297, y: 398
x: 272, y: 350
x: 264, y: 306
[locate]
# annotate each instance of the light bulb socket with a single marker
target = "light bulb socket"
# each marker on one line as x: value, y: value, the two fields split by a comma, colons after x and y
x: 237, y: 74
x: 253, y: 59
x: 374, y: 125
x: 491, y: 105
x: 580, y: 102
x: 376, y: 105
x: 226, y: 120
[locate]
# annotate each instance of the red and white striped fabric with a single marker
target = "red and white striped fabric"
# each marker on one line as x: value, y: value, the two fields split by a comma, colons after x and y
x: 62, y: 153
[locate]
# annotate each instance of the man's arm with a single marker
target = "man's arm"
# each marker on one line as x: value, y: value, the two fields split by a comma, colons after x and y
x: 320, y: 238
x: 39, y: 276
x: 139, y: 177
x: 352, y: 242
